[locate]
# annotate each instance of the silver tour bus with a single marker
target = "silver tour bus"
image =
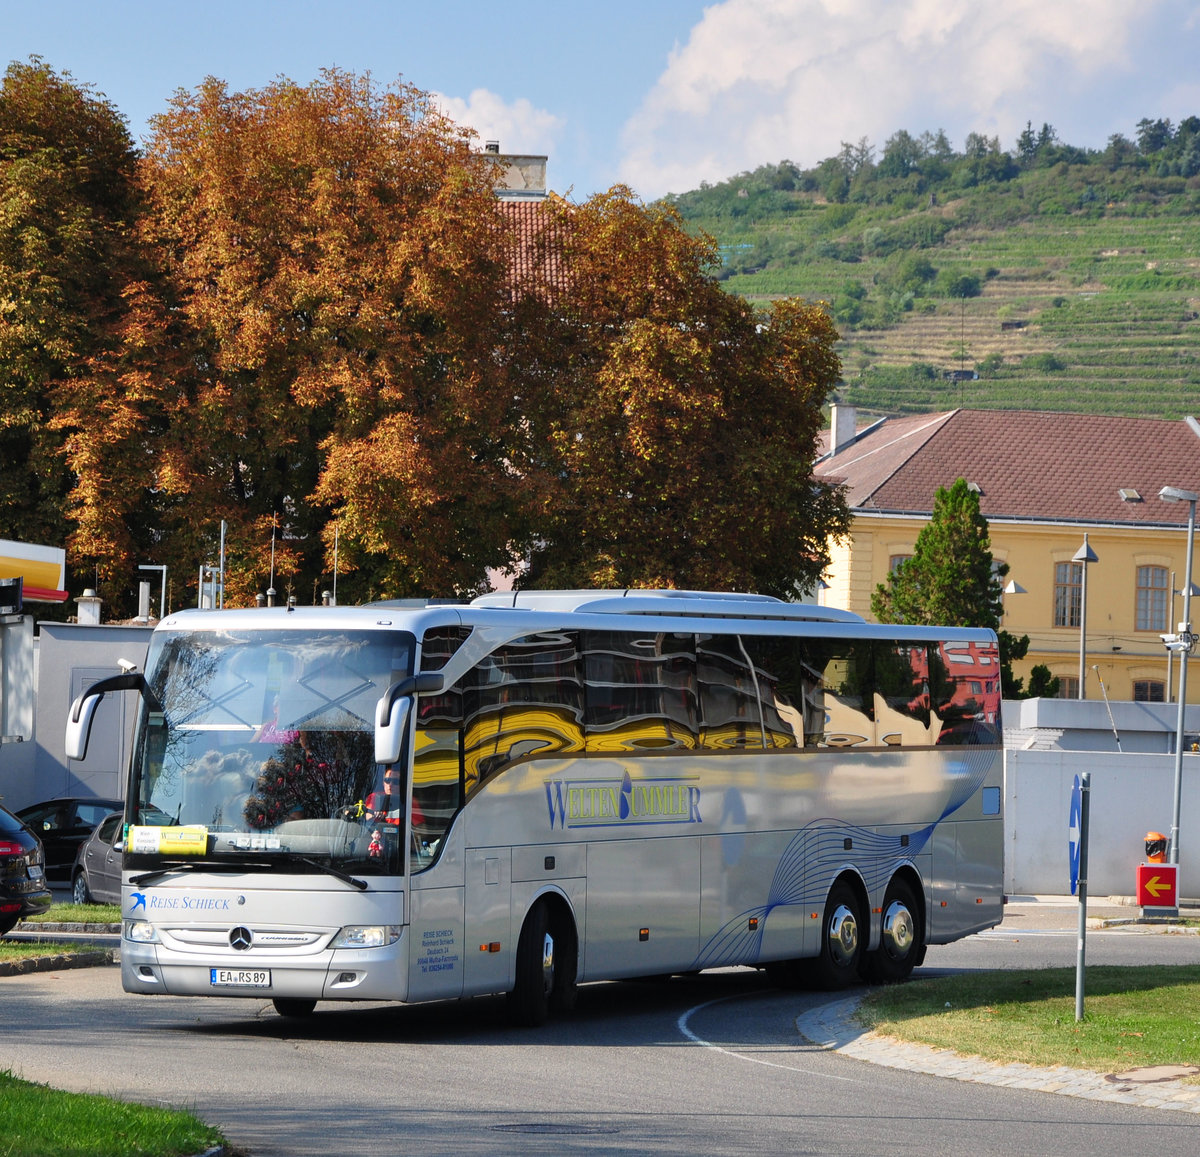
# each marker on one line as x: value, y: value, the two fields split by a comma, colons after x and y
x: 408, y: 802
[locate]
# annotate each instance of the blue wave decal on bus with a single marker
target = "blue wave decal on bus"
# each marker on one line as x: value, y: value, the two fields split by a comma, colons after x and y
x: 817, y: 852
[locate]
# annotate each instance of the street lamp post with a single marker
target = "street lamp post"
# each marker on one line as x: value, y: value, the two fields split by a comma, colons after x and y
x: 1183, y: 643
x: 1084, y: 556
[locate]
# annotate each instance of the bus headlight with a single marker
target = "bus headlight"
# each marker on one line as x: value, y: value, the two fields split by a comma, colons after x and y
x: 366, y: 936
x: 141, y: 931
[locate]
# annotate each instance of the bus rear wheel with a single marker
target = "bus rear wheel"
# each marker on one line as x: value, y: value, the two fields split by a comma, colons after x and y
x: 901, y: 946
x: 293, y: 1006
x: 545, y: 974
x: 838, y: 964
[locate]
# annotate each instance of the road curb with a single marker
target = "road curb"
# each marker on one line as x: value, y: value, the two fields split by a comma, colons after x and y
x: 58, y: 961
x: 833, y: 1027
x: 39, y: 926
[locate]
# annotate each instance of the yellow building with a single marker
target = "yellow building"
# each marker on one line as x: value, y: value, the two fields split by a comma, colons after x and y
x: 1047, y: 484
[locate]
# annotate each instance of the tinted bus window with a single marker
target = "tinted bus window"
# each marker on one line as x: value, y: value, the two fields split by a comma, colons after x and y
x: 524, y: 699
x: 640, y: 690
x: 902, y: 694
x: 845, y: 690
x: 965, y: 693
x: 437, y: 756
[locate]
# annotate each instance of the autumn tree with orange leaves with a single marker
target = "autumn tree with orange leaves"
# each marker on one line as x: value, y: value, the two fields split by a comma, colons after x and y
x: 673, y: 426
x: 68, y: 260
x: 315, y: 323
x: 337, y: 254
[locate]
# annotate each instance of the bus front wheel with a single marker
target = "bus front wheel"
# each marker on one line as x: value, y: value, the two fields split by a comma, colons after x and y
x: 544, y: 976
x: 293, y: 1006
x: 838, y: 964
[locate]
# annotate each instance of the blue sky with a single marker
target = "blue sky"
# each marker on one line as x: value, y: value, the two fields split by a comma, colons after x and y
x: 661, y: 94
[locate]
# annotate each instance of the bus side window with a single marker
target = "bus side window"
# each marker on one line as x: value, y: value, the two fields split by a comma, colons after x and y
x: 640, y: 690
x: 437, y: 756
x: 845, y: 691
x: 965, y: 693
x: 782, y: 687
x: 525, y: 699
x: 730, y: 714
x: 902, y: 695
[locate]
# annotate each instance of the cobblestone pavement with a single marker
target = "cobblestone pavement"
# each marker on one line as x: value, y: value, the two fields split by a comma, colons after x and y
x: 833, y: 1026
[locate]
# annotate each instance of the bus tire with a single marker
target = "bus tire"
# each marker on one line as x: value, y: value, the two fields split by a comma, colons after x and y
x: 293, y: 1006
x: 837, y: 965
x: 529, y: 1001
x: 566, y: 967
x: 901, y: 945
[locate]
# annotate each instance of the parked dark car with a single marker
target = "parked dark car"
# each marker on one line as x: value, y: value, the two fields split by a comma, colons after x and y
x: 23, y: 890
x: 62, y: 825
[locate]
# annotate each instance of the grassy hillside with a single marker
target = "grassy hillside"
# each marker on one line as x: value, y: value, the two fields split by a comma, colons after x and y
x: 1071, y: 286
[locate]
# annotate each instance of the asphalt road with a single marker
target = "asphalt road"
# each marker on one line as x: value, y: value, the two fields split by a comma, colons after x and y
x: 709, y: 1065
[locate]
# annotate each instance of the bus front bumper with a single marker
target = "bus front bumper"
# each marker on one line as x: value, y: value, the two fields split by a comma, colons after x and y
x: 328, y: 974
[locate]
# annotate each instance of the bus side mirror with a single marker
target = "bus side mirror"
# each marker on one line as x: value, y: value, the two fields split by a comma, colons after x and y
x: 83, y: 710
x: 391, y: 713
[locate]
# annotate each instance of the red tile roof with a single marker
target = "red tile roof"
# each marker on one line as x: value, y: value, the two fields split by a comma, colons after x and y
x: 537, y: 252
x: 1044, y: 467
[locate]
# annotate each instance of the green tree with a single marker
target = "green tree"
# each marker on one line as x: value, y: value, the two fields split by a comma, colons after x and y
x: 960, y: 284
x: 1042, y: 684
x: 902, y: 154
x: 952, y: 579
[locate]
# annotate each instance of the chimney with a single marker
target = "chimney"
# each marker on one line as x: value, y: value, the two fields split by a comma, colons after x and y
x: 491, y: 147
x: 88, y: 609
x: 842, y: 426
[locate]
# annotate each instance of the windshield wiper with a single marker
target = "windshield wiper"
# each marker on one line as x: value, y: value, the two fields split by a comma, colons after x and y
x: 328, y: 869
x: 141, y: 880
x: 168, y: 866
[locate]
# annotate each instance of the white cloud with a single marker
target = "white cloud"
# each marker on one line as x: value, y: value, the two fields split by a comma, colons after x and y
x: 519, y: 127
x: 760, y: 80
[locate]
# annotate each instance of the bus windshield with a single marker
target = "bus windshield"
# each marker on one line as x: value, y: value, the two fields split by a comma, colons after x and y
x: 261, y: 743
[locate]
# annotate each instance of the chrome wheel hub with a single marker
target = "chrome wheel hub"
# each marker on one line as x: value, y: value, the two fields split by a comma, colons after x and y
x: 899, y: 930
x: 843, y: 935
x: 548, y: 963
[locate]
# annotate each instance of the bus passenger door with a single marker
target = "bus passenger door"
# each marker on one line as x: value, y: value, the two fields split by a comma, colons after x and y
x: 436, y: 949
x: 490, y: 940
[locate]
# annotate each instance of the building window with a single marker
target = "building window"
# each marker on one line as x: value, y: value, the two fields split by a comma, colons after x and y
x: 1152, y: 600
x: 1068, y: 686
x: 1068, y: 593
x: 1149, y: 691
x: 895, y: 560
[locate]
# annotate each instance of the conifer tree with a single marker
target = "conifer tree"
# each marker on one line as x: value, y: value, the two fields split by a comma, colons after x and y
x: 952, y: 579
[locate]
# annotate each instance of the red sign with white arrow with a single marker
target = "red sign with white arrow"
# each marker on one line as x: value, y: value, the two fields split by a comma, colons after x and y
x: 1156, y: 885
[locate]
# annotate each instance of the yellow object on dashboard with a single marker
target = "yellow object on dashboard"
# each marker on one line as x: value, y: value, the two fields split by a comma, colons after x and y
x: 185, y: 840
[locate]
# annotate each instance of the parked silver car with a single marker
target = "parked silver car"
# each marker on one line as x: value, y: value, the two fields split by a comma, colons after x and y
x: 96, y: 874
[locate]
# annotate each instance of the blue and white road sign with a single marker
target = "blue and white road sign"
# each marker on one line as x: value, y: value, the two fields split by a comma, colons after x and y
x: 1074, y: 834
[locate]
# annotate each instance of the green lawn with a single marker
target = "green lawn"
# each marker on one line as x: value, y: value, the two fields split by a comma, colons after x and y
x: 79, y: 914
x: 24, y: 949
x: 37, y: 1121
x: 1132, y: 1016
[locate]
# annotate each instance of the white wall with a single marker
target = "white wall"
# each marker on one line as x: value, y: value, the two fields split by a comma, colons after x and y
x: 1130, y: 795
